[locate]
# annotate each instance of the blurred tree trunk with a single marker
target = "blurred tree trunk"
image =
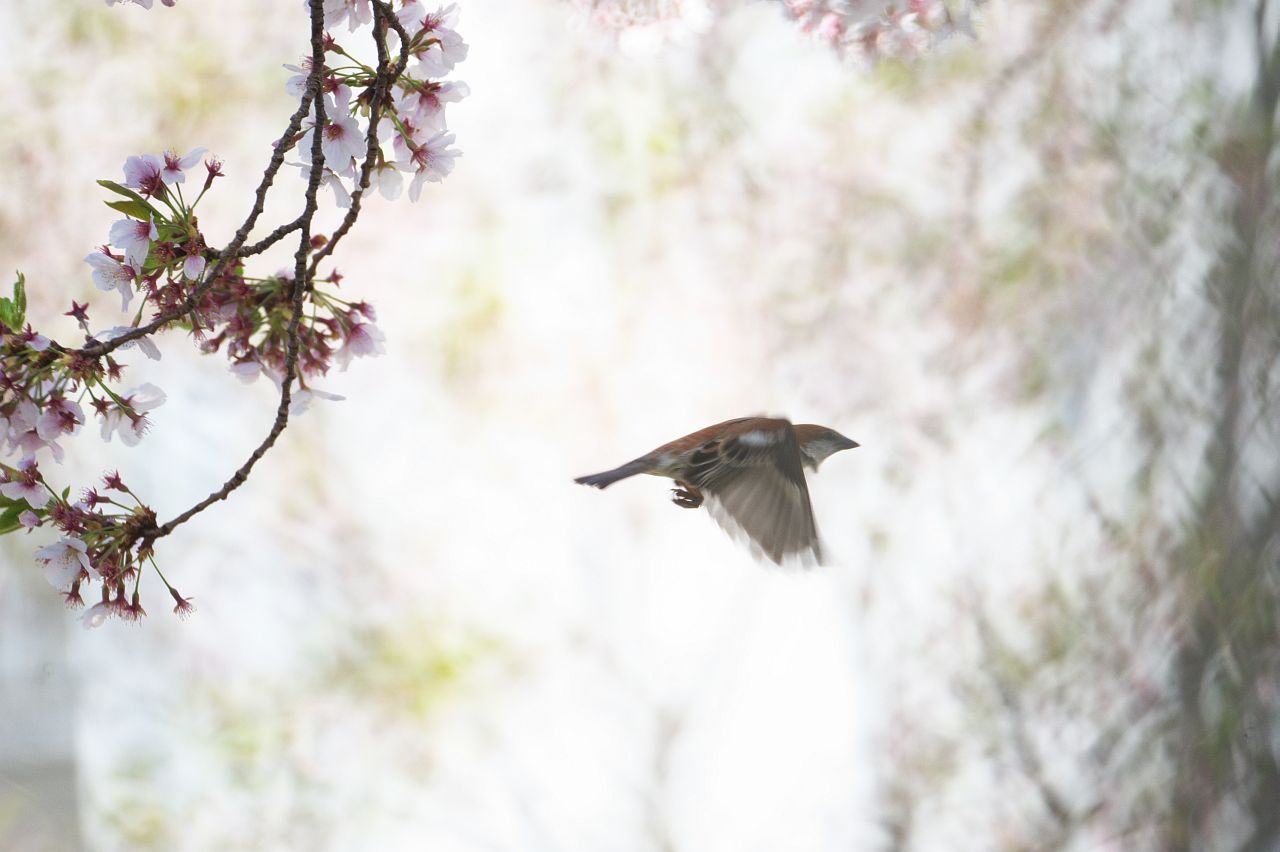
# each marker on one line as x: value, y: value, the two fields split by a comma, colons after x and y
x: 1227, y: 666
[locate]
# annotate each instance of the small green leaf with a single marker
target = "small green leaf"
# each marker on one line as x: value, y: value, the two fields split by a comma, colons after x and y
x: 172, y: 233
x: 120, y: 190
x: 9, y: 518
x: 136, y: 209
x: 132, y: 196
x: 20, y: 297
x: 13, y: 312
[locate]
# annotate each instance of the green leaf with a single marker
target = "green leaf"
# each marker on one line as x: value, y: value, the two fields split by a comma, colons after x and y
x: 136, y: 209
x: 121, y: 190
x: 132, y: 196
x: 9, y: 518
x: 12, y: 509
x: 20, y: 297
x: 13, y: 312
x: 171, y: 233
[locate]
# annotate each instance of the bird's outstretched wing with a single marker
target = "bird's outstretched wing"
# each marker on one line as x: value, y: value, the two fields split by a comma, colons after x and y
x: 755, y: 487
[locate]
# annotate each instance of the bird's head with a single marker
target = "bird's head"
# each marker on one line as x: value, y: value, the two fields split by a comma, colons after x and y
x: 818, y: 442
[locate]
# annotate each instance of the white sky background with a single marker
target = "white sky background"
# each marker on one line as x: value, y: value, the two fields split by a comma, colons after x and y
x: 635, y: 244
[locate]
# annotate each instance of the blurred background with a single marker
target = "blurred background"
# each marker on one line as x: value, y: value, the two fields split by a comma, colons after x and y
x: 1032, y: 270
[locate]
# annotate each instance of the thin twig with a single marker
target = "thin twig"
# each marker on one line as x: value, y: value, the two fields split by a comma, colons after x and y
x: 228, y: 255
x: 316, y: 96
x: 381, y: 88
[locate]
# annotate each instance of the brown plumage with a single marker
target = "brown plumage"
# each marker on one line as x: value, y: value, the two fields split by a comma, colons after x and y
x: 750, y: 473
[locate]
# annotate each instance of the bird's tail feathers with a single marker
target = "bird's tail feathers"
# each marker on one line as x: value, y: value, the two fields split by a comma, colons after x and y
x: 608, y: 477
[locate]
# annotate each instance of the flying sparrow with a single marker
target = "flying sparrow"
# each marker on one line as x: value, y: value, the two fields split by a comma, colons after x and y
x: 750, y: 472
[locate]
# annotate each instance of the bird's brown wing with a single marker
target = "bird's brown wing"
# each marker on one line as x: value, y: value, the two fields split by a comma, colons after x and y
x: 755, y: 485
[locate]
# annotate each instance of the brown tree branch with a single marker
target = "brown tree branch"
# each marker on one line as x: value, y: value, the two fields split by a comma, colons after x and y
x: 315, y: 94
x: 304, y: 273
x: 228, y: 255
x: 381, y: 87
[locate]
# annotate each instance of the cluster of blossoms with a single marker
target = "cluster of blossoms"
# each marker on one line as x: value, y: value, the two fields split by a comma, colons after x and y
x: 627, y: 14
x: 250, y: 317
x: 416, y: 128
x: 46, y: 389
x: 291, y: 327
x: 861, y: 30
x: 892, y: 31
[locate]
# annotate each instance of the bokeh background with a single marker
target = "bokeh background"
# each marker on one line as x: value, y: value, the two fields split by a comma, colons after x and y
x: 1033, y: 271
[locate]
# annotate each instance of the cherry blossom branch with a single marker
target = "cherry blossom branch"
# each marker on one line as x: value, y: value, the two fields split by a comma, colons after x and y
x: 382, y: 15
x: 283, y: 326
x: 232, y: 252
x: 316, y: 96
x: 304, y: 274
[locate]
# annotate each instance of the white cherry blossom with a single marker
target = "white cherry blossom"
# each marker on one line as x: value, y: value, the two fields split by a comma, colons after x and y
x: 132, y: 426
x: 95, y: 615
x: 432, y: 160
x: 363, y: 338
x: 356, y: 13
x: 63, y: 561
x: 135, y: 238
x: 145, y: 343
x: 60, y: 415
x: 174, y: 166
x: 111, y: 274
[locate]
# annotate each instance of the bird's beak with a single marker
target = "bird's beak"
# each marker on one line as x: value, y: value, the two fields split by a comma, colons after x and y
x: 849, y: 444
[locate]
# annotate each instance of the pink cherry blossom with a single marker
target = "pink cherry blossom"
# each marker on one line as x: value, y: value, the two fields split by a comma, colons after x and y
x: 404, y: 136
x: 193, y: 266
x: 172, y: 172
x: 34, y: 341
x: 355, y: 12
x: 20, y: 429
x: 929, y: 14
x: 146, y: 344
x: 445, y: 48
x: 95, y: 615
x: 247, y: 371
x: 341, y: 140
x: 26, y: 485
x: 411, y: 16
x: 830, y: 27
x: 433, y: 160
x: 64, y: 560
x: 132, y: 423
x: 302, y: 398
x: 60, y: 416
x: 425, y: 103
x: 135, y: 238
x: 388, y: 179
x: 341, y: 195
x: 143, y: 173
x: 296, y: 85
x: 110, y: 274
x: 29, y: 519
x: 363, y: 338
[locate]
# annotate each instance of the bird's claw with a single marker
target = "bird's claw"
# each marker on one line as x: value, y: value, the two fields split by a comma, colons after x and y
x: 686, y: 498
